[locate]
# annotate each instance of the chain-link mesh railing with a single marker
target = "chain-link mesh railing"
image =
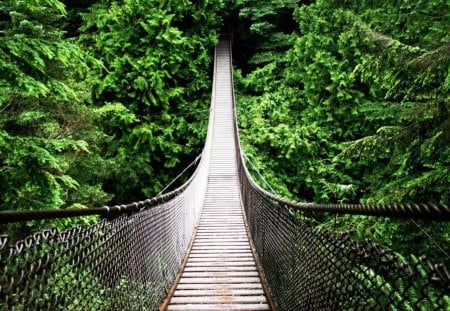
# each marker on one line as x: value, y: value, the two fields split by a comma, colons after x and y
x: 123, y: 263
x: 311, y: 269
x: 127, y: 261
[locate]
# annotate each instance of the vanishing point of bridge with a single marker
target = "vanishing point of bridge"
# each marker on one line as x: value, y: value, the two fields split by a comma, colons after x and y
x: 218, y: 242
x: 220, y: 272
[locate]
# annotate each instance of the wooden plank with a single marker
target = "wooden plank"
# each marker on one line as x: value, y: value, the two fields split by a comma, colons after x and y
x: 221, y: 252
x: 232, y: 213
x: 207, y: 238
x: 217, y: 229
x: 219, y: 280
x: 219, y: 274
x: 217, y: 217
x: 215, y: 268
x: 218, y: 292
x: 236, y: 239
x: 222, y: 240
x: 218, y: 237
x: 217, y: 245
x: 222, y: 247
x: 205, y: 265
x: 220, y: 221
x: 203, y: 307
x: 219, y: 299
x: 221, y: 255
x: 225, y: 241
x: 212, y: 207
x: 222, y: 226
x: 221, y: 217
x: 223, y: 286
x: 207, y: 262
x: 211, y: 215
x: 232, y: 233
x: 220, y: 213
x: 227, y: 227
x: 225, y: 260
x: 221, y: 243
x: 223, y: 230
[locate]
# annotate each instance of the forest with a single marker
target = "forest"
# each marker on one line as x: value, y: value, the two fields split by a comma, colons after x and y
x: 105, y: 102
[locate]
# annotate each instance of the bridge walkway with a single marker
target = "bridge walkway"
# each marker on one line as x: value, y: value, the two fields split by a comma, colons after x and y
x: 221, y: 272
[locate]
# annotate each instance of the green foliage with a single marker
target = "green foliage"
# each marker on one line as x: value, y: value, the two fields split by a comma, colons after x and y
x: 154, y: 81
x: 338, y: 101
x: 110, y: 111
x: 354, y: 109
x: 376, y: 106
x: 46, y: 131
x: 34, y: 58
x: 263, y: 31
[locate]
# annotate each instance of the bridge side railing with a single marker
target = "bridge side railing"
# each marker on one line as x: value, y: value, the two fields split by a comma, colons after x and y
x: 126, y: 261
x: 307, y: 268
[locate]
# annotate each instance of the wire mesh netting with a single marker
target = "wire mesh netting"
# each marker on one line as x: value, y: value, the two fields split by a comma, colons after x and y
x: 122, y: 264
x: 311, y: 269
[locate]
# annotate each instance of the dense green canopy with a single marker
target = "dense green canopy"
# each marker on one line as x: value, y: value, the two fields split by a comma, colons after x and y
x: 104, y: 102
x: 101, y: 102
x: 350, y: 105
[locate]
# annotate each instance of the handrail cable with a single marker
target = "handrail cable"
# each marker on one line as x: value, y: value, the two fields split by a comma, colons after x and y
x: 29, y: 215
x: 433, y: 240
x: 431, y: 211
x: 429, y: 236
x: 179, y: 175
x: 257, y: 171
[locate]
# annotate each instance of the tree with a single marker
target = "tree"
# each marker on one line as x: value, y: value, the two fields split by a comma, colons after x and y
x: 153, y: 88
x: 46, y: 130
x: 356, y: 110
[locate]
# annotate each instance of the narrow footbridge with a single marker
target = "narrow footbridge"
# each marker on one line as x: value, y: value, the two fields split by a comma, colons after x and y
x: 218, y: 242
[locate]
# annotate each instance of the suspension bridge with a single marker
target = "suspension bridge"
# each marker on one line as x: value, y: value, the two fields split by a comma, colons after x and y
x: 218, y: 242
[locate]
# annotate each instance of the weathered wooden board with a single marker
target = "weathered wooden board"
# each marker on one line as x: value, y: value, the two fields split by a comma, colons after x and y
x: 205, y: 307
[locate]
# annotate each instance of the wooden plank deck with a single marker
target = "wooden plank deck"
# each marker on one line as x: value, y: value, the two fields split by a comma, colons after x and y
x: 220, y: 272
